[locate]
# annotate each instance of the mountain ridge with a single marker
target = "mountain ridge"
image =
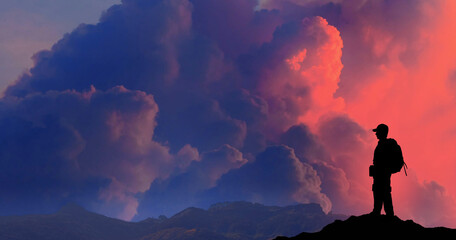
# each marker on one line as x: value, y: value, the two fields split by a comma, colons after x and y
x: 224, y: 221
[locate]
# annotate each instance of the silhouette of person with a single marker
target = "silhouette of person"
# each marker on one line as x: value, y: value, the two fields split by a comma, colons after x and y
x: 381, y: 173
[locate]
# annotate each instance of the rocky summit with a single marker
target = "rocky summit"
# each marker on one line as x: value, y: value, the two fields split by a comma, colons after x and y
x: 376, y: 227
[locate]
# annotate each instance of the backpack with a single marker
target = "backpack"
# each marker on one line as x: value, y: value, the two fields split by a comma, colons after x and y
x: 397, y: 160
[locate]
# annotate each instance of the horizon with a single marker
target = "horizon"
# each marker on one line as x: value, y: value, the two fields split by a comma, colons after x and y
x: 265, y: 222
x: 72, y: 205
x: 163, y: 105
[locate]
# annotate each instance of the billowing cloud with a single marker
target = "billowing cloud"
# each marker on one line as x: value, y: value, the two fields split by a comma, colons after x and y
x: 351, y: 148
x: 339, y: 152
x: 235, y: 27
x: 297, y: 72
x: 398, y: 61
x: 165, y: 104
x: 276, y: 177
x: 185, y: 188
x: 422, y: 200
x: 63, y: 145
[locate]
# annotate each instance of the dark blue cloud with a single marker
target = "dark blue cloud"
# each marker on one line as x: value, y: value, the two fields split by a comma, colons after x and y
x: 234, y: 26
x: 160, y: 105
x: 70, y: 146
x: 306, y: 145
x: 131, y: 46
x: 183, y: 189
x: 276, y: 177
x: 36, y: 175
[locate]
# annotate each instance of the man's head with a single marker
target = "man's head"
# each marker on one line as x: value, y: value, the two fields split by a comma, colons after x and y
x: 381, y: 131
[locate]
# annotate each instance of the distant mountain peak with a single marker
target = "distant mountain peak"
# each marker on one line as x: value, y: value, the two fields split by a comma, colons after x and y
x: 235, y: 204
x: 226, y: 221
x: 72, y: 208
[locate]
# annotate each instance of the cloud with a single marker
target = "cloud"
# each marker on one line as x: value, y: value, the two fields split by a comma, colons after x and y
x: 60, y: 142
x: 338, y: 152
x: 183, y: 189
x: 421, y: 200
x: 276, y: 177
x: 234, y: 26
x: 397, y: 59
x: 147, y: 46
x: 307, y: 146
x: 212, y: 91
x: 165, y: 104
x: 163, y: 64
x: 351, y: 148
x: 103, y: 54
x: 296, y: 72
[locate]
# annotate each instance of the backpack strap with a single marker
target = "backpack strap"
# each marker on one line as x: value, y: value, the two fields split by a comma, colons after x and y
x: 405, y: 168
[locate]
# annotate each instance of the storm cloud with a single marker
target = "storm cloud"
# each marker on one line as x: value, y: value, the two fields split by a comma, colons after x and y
x: 276, y: 177
x: 67, y: 145
x: 167, y: 104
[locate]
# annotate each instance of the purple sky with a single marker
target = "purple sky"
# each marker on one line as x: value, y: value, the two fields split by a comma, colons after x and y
x: 27, y: 26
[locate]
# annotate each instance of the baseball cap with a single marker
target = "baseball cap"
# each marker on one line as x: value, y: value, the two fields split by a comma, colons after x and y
x: 381, y: 128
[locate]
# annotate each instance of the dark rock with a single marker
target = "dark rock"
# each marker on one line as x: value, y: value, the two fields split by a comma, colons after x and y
x: 376, y: 227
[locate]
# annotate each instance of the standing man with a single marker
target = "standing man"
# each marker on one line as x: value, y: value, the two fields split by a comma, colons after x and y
x: 381, y: 171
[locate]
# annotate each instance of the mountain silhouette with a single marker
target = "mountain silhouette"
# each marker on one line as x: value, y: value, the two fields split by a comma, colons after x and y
x: 224, y: 221
x: 376, y: 227
x: 70, y: 222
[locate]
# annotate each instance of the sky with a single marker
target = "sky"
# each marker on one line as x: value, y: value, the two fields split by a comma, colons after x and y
x: 165, y: 104
x: 28, y: 26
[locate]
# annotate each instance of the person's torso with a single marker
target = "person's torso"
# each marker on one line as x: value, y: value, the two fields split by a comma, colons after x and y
x: 383, y: 154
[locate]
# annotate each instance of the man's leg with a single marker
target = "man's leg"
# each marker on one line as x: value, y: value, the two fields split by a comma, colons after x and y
x: 388, y: 204
x: 378, y: 201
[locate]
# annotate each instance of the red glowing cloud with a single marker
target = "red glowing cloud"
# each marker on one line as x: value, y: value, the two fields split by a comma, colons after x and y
x: 411, y: 90
x: 399, y: 62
